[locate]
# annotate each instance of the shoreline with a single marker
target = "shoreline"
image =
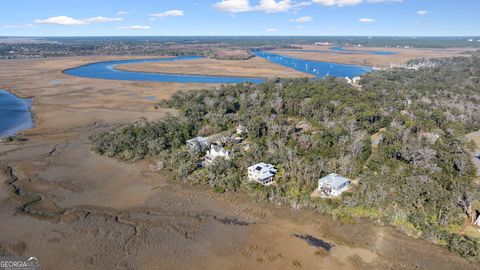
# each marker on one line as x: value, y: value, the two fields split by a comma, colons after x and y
x: 124, y: 68
x: 154, y: 60
x: 198, y: 75
x: 26, y: 124
x: 174, y: 220
x: 326, y: 62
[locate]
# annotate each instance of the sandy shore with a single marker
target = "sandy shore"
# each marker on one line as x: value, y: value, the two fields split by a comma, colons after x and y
x: 372, y: 60
x: 73, y: 209
x: 253, y: 68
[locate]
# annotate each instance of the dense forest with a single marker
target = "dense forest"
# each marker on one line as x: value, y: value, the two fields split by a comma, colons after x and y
x: 418, y: 176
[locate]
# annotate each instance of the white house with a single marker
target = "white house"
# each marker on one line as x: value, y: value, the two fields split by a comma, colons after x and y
x: 262, y: 173
x: 477, y: 221
x: 216, y: 151
x: 198, y: 143
x: 333, y: 185
x: 240, y: 130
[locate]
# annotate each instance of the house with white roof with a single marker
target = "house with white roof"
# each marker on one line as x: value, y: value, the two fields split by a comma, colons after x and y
x: 215, y: 152
x: 333, y: 185
x: 477, y: 221
x: 240, y: 130
x: 198, y: 143
x: 262, y: 173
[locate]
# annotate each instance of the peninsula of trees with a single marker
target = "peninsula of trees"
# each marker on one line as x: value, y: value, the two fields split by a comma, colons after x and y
x: 400, y: 134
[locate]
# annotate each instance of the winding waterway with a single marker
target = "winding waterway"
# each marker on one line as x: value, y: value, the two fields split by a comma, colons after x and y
x: 106, y: 70
x: 15, y: 114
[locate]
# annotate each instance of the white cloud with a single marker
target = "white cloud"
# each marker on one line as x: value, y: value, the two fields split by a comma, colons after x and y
x: 101, y: 19
x: 338, y: 3
x: 121, y: 13
x: 135, y: 27
x: 233, y: 6
x: 169, y: 13
x: 343, y: 3
x: 302, y: 19
x: 19, y: 26
x: 366, y: 20
x: 61, y: 20
x: 272, y: 6
x: 384, y: 1
x: 271, y: 30
x: 268, y: 6
x: 65, y: 20
x: 422, y: 12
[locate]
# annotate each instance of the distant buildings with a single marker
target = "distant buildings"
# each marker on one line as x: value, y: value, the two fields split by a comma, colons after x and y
x: 333, y: 185
x: 198, y: 143
x: 323, y: 43
x: 215, y: 152
x: 262, y: 173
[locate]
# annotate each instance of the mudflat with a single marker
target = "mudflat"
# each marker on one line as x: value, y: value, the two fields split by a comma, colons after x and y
x: 254, y: 67
x: 73, y: 209
x: 323, y: 53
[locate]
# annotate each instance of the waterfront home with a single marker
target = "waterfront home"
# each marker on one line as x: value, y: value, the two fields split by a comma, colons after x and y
x: 262, y: 173
x: 477, y: 221
x: 241, y: 130
x: 215, y: 152
x: 198, y: 143
x: 333, y: 185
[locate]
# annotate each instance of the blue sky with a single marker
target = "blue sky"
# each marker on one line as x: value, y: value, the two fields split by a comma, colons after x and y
x: 239, y: 17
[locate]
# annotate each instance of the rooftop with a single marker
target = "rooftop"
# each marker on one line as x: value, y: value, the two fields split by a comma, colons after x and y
x: 199, y: 139
x: 263, y: 170
x: 333, y: 180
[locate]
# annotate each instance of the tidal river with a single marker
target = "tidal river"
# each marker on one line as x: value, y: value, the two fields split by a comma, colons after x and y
x: 106, y: 70
x: 15, y: 114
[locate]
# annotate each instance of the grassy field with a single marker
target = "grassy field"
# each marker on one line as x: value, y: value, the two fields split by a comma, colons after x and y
x: 254, y: 67
x: 380, y: 61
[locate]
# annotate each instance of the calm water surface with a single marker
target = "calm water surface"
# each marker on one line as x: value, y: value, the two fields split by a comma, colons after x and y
x: 15, y: 114
x: 317, y: 68
x: 106, y: 70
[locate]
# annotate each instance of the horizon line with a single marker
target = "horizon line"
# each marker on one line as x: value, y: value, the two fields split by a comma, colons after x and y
x: 383, y: 36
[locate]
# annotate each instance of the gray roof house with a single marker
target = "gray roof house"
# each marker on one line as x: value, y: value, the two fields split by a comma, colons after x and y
x: 333, y: 185
x: 215, y: 152
x: 198, y: 143
x: 262, y: 173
